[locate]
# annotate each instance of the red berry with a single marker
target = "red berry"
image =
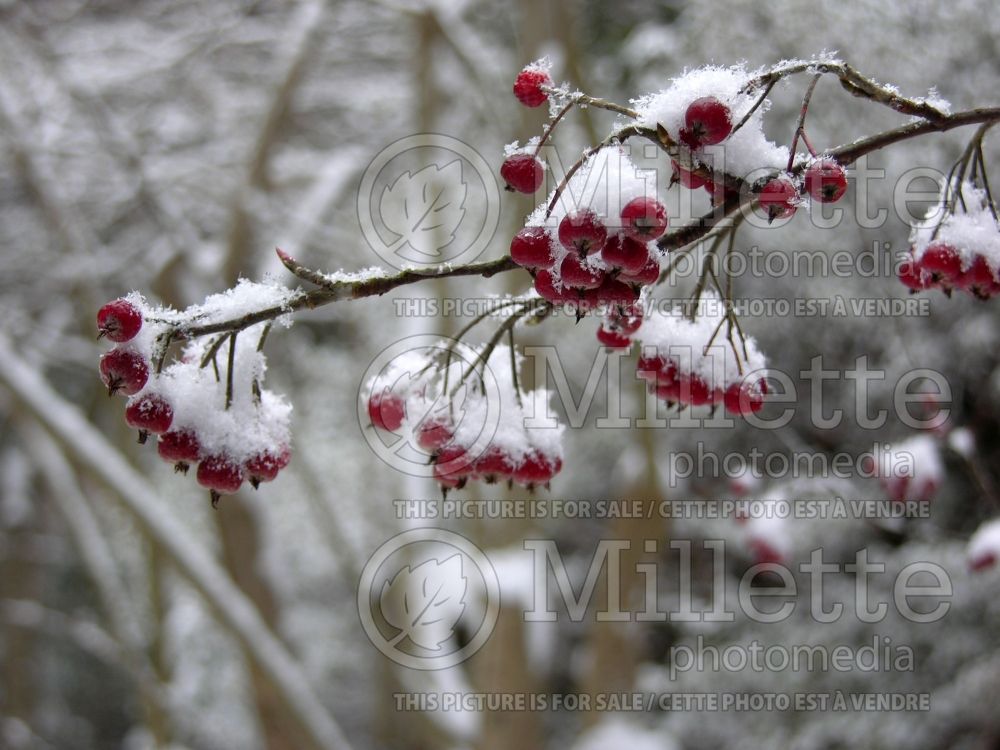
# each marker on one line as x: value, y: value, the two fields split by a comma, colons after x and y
x: 528, y: 87
x: 434, y: 433
x: 941, y: 264
x: 119, y: 320
x: 523, y: 173
x: 452, y: 466
x: 149, y: 413
x: 707, y: 122
x: 264, y: 467
x: 979, y: 279
x: 644, y: 219
x: 625, y: 254
x: 626, y: 319
x: 583, y: 231
x: 613, y: 339
x: 826, y: 181
x: 778, y: 198
x: 615, y: 292
x: 179, y: 447
x: 537, y: 469
x: 221, y: 474
x: 545, y: 286
x: 744, y: 398
x: 386, y: 410
x: 494, y: 465
x: 532, y: 248
x: 577, y: 275
x: 686, y: 178
x: 694, y: 390
x: 124, y: 371
x: 911, y: 276
x: 648, y: 274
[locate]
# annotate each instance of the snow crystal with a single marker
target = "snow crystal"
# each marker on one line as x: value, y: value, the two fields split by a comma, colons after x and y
x: 354, y: 277
x: 684, y: 341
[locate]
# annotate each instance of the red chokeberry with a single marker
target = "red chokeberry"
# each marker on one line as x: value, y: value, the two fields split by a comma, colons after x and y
x: 386, y: 410
x: 583, y: 231
x: 220, y: 474
x: 264, y: 467
x: 778, y: 198
x: 119, y: 320
x: 613, y: 339
x: 532, y: 248
x: 576, y: 274
x: 826, y: 181
x: 644, y: 219
x: 124, y: 371
x: 707, y: 121
x: 528, y: 86
x: 179, y: 447
x: 625, y: 254
x: 523, y: 173
x: 149, y: 413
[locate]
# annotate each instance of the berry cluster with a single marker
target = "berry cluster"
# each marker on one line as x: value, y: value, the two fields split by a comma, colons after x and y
x: 680, y: 369
x: 452, y: 428
x: 602, y: 252
x: 676, y: 385
x: 199, y: 417
x: 957, y: 246
x: 707, y: 120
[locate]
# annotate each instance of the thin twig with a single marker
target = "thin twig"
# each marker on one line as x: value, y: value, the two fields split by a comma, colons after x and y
x: 230, y: 367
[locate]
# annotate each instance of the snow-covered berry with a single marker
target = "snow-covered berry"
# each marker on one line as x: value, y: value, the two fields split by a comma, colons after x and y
x: 532, y: 248
x: 826, y: 181
x: 528, y: 86
x: 523, y: 173
x: 119, y: 320
x: 644, y: 219
x: 124, y: 371
x: 706, y: 122
x: 583, y: 232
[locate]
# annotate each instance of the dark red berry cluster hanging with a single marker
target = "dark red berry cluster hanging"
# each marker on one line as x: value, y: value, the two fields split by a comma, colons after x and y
x: 198, y: 415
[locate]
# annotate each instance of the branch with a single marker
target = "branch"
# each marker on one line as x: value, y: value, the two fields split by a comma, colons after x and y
x: 335, y: 290
x: 338, y: 290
